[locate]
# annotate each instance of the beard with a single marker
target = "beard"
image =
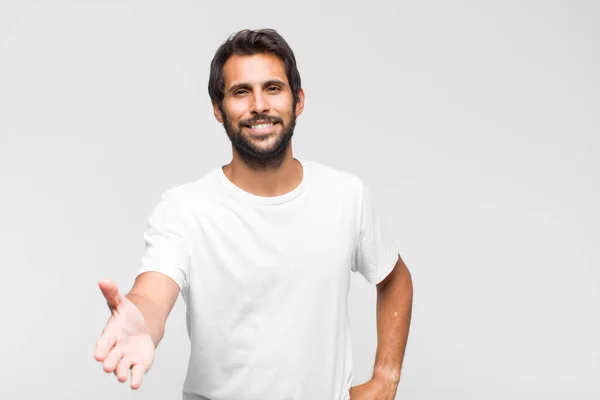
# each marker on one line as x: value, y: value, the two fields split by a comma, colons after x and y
x: 255, y: 157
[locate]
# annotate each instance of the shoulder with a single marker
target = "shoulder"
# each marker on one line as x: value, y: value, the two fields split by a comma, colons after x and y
x: 331, y: 178
x: 193, y: 192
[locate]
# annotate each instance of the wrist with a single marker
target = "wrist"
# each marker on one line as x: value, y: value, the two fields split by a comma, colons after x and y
x: 387, y: 375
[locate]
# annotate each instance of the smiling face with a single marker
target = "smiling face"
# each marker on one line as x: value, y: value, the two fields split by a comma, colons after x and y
x: 258, y: 110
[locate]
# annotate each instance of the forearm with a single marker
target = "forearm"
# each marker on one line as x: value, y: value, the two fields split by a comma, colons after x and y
x: 153, y: 316
x: 394, y: 308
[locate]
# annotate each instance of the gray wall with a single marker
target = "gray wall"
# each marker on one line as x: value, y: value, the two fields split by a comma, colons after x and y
x: 475, y: 123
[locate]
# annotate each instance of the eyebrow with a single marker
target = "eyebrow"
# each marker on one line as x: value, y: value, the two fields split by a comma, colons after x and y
x: 247, y: 86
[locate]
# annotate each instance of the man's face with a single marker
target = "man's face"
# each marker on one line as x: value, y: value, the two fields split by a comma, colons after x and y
x: 258, y: 112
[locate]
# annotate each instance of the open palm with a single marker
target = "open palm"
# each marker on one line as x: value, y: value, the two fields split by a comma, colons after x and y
x: 125, y: 343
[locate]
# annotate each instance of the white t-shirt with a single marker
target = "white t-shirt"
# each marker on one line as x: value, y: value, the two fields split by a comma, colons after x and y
x: 266, y: 279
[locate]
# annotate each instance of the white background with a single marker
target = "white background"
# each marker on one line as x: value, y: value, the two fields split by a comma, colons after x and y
x: 475, y: 123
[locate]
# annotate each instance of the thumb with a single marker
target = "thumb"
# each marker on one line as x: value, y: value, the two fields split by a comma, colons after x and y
x: 111, y: 293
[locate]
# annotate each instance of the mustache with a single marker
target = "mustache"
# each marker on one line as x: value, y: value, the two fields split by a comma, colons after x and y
x: 262, y: 118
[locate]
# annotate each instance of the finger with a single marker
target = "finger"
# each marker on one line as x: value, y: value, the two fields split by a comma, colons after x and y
x: 104, y: 345
x: 122, y: 369
x: 137, y: 374
x: 111, y: 293
x: 113, y: 358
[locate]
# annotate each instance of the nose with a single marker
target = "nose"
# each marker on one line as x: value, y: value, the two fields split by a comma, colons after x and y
x: 259, y: 103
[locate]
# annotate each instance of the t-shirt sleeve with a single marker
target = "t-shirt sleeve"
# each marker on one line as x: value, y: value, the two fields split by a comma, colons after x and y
x: 167, y: 238
x: 375, y: 255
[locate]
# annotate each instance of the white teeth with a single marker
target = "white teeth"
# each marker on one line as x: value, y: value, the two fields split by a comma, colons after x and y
x: 261, y: 126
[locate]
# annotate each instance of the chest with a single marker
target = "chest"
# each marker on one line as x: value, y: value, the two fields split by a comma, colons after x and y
x: 254, y: 247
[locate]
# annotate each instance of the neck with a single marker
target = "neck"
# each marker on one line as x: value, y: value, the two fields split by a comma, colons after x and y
x: 268, y: 181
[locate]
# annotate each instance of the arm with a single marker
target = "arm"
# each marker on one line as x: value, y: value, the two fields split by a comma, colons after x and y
x: 394, y: 307
x: 154, y: 294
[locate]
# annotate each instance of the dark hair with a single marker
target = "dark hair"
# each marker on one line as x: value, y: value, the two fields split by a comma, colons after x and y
x: 249, y: 42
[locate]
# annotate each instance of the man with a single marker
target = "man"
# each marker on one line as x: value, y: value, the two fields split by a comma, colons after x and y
x: 261, y: 250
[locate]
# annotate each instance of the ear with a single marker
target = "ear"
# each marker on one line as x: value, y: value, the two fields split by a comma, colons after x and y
x: 300, y: 102
x: 217, y: 113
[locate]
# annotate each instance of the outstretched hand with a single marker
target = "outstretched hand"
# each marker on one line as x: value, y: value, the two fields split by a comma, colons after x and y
x: 125, y: 344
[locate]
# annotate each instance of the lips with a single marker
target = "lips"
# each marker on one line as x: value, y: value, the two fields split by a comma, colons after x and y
x: 259, y: 123
x: 261, y: 126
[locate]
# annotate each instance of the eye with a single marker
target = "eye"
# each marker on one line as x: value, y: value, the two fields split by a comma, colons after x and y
x: 273, y: 89
x: 240, y: 92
